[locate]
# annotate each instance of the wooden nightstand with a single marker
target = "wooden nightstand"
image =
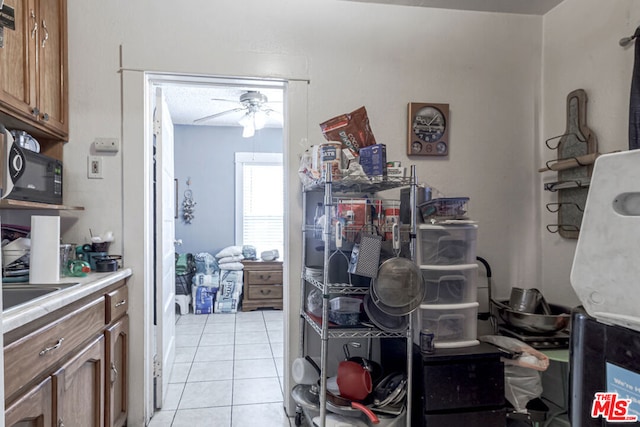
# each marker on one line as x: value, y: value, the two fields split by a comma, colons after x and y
x: 262, y: 285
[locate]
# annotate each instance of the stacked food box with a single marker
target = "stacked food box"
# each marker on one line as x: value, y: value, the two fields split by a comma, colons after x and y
x: 447, y: 258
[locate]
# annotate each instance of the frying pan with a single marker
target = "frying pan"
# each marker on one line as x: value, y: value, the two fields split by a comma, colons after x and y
x: 399, y: 288
x: 381, y: 319
x: 340, y: 405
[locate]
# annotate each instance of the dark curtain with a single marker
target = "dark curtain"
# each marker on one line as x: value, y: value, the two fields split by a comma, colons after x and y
x: 634, y: 106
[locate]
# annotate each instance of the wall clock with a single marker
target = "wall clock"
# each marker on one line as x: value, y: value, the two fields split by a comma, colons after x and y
x: 428, y: 129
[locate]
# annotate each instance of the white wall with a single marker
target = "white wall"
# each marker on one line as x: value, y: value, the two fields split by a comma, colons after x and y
x: 581, y: 51
x: 486, y: 66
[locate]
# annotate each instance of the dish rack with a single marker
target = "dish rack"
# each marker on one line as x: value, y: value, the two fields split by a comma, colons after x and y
x: 323, y: 239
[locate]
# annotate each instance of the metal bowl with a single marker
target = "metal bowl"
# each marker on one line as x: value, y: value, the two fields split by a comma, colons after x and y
x: 534, y: 323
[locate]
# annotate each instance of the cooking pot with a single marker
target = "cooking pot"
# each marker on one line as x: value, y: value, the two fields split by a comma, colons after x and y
x: 534, y: 323
x: 339, y: 404
x: 106, y: 264
x: 374, y: 368
x: 354, y: 381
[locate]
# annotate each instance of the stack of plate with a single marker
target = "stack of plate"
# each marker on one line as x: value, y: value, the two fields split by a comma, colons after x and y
x: 316, y: 273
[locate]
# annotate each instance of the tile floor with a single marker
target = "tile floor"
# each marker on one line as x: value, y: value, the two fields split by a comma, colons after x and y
x: 227, y: 372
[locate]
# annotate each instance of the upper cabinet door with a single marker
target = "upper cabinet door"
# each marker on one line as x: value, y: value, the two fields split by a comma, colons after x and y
x: 52, y: 65
x: 18, y: 60
x: 33, y: 68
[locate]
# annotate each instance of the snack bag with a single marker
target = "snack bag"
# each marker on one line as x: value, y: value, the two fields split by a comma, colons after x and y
x: 352, y: 130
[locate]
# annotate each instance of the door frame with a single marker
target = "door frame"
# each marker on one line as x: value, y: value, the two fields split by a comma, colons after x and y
x: 138, y: 225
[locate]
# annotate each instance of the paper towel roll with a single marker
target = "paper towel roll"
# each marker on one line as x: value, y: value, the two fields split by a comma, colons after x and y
x: 44, y: 265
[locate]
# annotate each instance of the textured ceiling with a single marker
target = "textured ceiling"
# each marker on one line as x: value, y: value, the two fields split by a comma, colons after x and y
x: 528, y: 7
x: 191, y: 102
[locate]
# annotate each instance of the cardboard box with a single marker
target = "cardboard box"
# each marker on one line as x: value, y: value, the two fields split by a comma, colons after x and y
x: 373, y: 160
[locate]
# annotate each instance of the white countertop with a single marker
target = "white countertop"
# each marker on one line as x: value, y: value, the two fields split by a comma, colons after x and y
x: 22, y: 314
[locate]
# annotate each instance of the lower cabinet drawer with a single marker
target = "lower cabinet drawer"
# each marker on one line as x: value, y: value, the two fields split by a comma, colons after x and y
x: 37, y: 352
x: 257, y: 292
x: 117, y: 303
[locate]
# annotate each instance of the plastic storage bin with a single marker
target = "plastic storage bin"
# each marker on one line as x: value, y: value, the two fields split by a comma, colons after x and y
x: 345, y: 311
x: 347, y: 304
x: 449, y: 244
x: 444, y: 209
x: 453, y: 325
x: 450, y: 285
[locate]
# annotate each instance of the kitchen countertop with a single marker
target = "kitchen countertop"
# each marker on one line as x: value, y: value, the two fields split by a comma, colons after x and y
x: 22, y: 314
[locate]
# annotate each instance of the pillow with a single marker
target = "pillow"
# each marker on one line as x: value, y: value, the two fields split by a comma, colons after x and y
x: 229, y: 259
x: 232, y: 266
x: 230, y: 251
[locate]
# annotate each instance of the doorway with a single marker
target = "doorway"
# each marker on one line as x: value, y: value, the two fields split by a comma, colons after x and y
x: 204, y: 133
x: 137, y: 215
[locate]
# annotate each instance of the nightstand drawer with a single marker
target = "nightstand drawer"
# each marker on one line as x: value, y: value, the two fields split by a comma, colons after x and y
x: 257, y: 292
x: 264, y: 277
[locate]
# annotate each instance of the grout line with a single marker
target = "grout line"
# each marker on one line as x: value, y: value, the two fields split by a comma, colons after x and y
x: 233, y: 379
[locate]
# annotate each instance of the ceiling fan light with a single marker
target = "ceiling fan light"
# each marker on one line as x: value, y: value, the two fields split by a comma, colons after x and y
x: 248, y: 130
x: 245, y: 120
x: 260, y: 119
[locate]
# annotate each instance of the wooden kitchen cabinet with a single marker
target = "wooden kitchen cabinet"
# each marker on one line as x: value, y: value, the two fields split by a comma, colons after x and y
x: 32, y: 409
x: 117, y: 337
x: 70, y: 367
x: 33, y: 72
x: 78, y: 388
x: 262, y: 285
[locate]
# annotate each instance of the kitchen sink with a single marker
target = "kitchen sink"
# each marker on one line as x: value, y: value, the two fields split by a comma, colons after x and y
x: 17, y: 294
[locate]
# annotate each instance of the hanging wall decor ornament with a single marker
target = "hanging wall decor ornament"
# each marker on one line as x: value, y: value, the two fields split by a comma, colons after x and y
x: 188, y: 206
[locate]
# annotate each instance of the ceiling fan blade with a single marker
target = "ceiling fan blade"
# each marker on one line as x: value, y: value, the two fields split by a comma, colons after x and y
x: 225, y: 100
x: 213, y: 116
x: 270, y: 110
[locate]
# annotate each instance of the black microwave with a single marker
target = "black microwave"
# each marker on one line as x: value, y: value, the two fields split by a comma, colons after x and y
x: 27, y: 175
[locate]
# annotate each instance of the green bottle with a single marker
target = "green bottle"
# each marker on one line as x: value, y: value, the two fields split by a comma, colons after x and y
x: 78, y: 268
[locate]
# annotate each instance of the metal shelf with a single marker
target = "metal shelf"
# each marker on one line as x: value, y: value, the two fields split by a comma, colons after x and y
x: 342, y: 332
x: 322, y: 328
x: 334, y: 288
x: 360, y: 185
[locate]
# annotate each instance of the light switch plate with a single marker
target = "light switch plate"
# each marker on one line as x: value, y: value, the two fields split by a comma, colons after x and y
x: 94, y: 167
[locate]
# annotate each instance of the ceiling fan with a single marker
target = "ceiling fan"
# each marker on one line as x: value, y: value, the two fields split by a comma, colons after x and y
x: 254, y: 104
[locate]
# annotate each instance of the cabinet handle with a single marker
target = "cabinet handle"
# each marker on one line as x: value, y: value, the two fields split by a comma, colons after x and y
x: 265, y: 291
x: 265, y: 278
x: 35, y: 111
x: 45, y: 117
x: 60, y: 423
x: 123, y: 302
x: 34, y: 30
x: 114, y: 372
x: 46, y: 33
x: 48, y: 349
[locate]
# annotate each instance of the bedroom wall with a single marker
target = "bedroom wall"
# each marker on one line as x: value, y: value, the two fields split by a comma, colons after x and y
x: 206, y: 156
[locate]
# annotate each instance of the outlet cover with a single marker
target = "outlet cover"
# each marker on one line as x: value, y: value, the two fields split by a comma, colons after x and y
x: 94, y: 167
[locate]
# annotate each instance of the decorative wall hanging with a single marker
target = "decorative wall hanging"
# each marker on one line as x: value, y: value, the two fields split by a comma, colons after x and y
x: 188, y: 205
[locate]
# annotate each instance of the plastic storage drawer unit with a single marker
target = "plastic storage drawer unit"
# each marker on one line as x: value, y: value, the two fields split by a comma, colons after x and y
x: 453, y: 325
x: 450, y: 285
x: 447, y: 244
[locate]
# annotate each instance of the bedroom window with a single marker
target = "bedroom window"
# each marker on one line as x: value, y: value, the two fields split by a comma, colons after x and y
x: 260, y: 201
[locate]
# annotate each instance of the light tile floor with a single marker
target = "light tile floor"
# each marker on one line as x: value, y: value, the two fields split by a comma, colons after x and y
x: 227, y: 372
